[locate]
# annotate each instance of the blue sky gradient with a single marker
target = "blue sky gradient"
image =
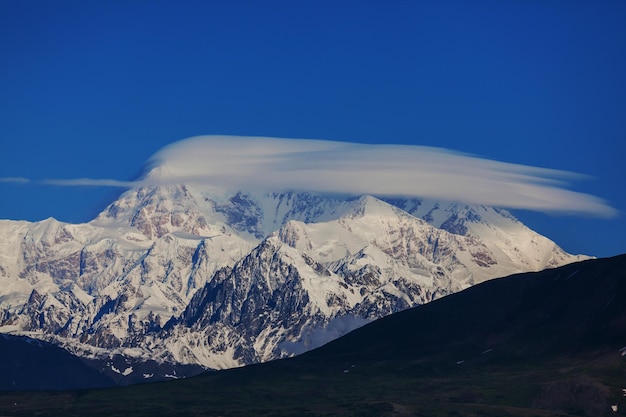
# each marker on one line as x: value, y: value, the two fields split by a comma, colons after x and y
x: 93, y: 89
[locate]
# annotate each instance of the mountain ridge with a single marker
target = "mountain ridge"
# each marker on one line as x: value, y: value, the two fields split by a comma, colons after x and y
x: 108, y: 287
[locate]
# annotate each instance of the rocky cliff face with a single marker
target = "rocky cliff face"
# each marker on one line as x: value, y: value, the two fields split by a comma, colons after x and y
x: 176, y: 275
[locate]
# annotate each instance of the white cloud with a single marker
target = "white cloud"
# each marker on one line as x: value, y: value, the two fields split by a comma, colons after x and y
x: 399, y: 170
x: 91, y: 182
x: 232, y: 163
x: 16, y: 180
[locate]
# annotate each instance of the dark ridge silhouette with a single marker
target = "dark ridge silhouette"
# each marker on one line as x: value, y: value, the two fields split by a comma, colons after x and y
x: 31, y: 364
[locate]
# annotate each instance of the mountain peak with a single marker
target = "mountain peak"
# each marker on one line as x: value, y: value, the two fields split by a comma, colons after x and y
x: 265, y: 270
x: 368, y: 205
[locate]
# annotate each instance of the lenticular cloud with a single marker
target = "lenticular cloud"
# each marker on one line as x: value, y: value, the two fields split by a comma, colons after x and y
x: 230, y: 163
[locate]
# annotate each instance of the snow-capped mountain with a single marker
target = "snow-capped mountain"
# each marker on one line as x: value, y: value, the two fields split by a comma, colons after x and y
x: 180, y: 274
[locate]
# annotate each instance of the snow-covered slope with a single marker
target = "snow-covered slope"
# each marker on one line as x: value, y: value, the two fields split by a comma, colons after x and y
x: 310, y: 282
x: 245, y: 277
x: 501, y: 232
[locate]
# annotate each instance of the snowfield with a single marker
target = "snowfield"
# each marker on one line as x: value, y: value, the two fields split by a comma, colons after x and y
x: 177, y: 275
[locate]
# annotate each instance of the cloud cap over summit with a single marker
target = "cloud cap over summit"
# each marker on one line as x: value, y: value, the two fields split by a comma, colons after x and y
x: 235, y: 162
x: 231, y: 163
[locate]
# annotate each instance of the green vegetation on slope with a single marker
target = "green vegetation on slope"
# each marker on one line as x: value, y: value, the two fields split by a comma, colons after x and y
x: 547, y: 387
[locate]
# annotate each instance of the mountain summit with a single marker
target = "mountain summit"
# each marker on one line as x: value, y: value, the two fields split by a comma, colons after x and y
x: 178, y: 274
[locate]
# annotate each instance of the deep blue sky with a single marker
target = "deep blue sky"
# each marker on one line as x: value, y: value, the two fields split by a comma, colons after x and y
x: 93, y: 89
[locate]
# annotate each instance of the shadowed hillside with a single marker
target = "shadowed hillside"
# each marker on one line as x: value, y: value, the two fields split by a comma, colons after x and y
x: 30, y: 364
